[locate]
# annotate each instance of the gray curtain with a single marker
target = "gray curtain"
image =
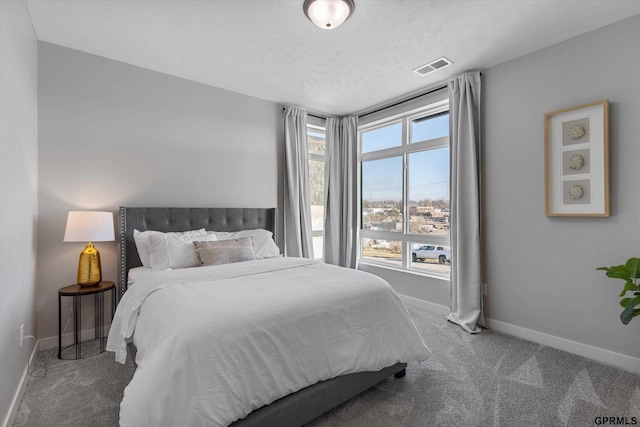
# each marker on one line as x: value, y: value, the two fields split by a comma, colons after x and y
x: 466, y: 262
x: 298, y: 240
x: 341, y: 180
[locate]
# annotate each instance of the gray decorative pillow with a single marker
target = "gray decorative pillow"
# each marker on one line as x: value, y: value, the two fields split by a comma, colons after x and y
x: 225, y: 251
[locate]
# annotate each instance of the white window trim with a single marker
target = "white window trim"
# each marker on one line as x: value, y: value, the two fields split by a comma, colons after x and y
x: 403, y: 150
x: 323, y: 159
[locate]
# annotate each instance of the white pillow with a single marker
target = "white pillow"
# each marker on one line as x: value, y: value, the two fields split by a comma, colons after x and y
x: 263, y: 244
x: 175, y: 250
x: 137, y: 273
x: 142, y: 244
x: 143, y: 241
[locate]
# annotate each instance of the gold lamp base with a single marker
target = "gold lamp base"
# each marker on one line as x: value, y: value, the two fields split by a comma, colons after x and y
x: 89, y: 271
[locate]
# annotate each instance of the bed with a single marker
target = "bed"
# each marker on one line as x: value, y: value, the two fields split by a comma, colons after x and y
x: 184, y: 374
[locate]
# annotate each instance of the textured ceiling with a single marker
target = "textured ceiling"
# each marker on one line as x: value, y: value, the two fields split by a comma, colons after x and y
x: 268, y: 48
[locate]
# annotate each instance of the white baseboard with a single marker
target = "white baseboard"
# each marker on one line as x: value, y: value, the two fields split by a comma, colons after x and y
x: 17, y: 397
x: 608, y: 357
x: 622, y: 361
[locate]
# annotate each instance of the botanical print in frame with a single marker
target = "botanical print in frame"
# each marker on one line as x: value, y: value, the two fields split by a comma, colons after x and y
x: 576, y: 162
x: 576, y: 148
x: 575, y: 131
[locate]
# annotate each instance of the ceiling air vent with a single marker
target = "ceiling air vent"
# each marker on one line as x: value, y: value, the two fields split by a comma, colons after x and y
x: 432, y: 66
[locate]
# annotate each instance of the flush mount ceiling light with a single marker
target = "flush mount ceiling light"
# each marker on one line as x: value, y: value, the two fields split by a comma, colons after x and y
x: 328, y: 14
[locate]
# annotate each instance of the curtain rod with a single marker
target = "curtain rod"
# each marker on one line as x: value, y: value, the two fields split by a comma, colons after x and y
x: 316, y: 115
x: 403, y: 101
x: 444, y: 86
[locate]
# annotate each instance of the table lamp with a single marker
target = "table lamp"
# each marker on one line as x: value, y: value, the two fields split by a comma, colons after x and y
x: 89, y: 226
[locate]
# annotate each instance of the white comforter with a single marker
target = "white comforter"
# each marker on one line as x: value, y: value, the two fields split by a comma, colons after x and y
x: 215, y: 343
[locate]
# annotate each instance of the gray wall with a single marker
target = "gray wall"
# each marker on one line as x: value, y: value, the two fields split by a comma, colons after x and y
x: 541, y: 271
x: 435, y: 291
x: 18, y: 194
x: 112, y: 134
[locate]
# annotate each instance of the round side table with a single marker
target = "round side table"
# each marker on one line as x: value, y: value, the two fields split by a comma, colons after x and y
x: 77, y: 291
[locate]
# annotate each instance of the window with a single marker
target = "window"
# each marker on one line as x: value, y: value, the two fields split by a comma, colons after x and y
x: 316, y: 145
x: 404, y: 199
x: 382, y: 194
x: 384, y: 137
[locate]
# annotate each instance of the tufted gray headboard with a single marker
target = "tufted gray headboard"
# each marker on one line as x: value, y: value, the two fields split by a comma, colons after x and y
x: 182, y: 219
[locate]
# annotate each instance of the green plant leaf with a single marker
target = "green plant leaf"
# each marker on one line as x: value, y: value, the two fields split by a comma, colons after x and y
x: 628, y: 314
x: 626, y: 302
x: 633, y: 266
x: 630, y: 273
x: 629, y: 311
x: 617, y: 272
x: 629, y: 286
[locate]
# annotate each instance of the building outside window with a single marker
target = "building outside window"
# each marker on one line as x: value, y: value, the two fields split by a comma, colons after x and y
x: 404, y: 172
x: 316, y: 145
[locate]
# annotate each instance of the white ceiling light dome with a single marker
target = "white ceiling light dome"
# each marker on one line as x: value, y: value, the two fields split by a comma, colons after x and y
x: 328, y: 14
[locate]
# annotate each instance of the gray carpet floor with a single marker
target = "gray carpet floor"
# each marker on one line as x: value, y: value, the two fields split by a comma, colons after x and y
x: 488, y: 379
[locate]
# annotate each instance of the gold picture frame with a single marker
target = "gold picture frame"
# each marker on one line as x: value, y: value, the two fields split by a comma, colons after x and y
x: 576, y: 161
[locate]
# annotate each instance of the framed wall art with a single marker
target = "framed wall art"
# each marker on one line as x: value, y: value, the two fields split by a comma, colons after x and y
x: 576, y: 152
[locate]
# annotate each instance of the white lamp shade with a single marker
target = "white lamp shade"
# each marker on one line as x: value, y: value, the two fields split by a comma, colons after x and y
x: 328, y: 14
x: 89, y: 226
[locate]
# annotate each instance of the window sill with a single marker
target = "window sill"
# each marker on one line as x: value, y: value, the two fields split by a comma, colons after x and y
x: 446, y: 278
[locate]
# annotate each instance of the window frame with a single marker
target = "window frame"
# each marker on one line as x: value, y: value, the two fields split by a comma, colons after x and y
x: 407, y: 147
x: 323, y: 159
